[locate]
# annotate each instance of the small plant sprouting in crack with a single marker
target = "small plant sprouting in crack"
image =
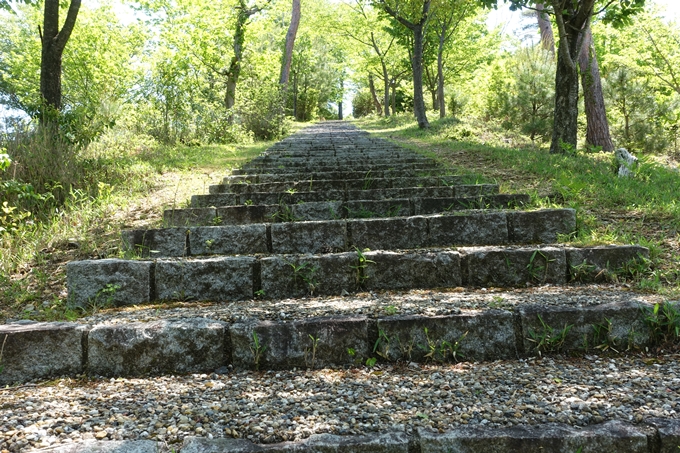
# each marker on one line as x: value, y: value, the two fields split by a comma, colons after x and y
x: 310, y: 353
x: 257, y: 349
x: 538, y: 270
x: 382, y: 345
x: 361, y: 266
x: 453, y: 348
x: 584, y: 272
x: 548, y: 339
x: 368, y: 181
x: 663, y: 321
x: 306, y: 273
x: 406, y: 347
x: 602, y: 336
x: 285, y: 214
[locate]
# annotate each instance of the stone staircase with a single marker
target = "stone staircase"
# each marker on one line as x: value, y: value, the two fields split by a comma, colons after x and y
x: 331, y: 212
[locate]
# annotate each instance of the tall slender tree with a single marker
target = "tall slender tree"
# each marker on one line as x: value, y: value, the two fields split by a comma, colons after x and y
x: 295, y: 16
x: 414, y: 15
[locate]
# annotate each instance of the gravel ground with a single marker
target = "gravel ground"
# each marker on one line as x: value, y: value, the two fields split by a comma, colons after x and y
x: 414, y: 302
x: 288, y: 405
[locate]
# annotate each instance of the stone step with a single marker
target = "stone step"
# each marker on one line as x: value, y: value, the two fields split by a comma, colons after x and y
x: 397, y: 168
x: 117, y: 282
x: 334, y: 210
x: 201, y: 344
x: 292, y: 197
x: 337, y: 161
x: 654, y: 434
x: 366, y: 183
x: 334, y: 174
x: 461, y: 228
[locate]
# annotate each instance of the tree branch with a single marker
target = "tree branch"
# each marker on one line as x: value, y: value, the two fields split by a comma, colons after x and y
x: 65, y: 33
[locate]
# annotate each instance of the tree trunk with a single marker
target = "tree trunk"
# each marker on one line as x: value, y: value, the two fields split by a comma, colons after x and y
x: 417, y: 64
x: 342, y: 94
x: 418, y: 30
x: 440, y: 72
x: 386, y: 88
x: 597, y: 133
x: 290, y: 42
x: 566, y: 104
x: 571, y: 19
x: 374, y: 96
x: 547, y: 36
x: 53, y: 43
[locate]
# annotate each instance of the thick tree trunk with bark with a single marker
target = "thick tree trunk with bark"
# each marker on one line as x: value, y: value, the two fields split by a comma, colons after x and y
x: 571, y: 19
x: 418, y: 31
x: 597, y: 133
x: 53, y: 44
x: 417, y: 64
x: 290, y: 43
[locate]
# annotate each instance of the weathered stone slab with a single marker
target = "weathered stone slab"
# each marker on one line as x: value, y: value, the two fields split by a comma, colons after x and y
x: 396, y: 442
x: 493, y: 266
x: 612, y: 437
x: 39, y: 350
x: 593, y: 263
x: 474, y: 190
x: 469, y: 228
x: 669, y: 434
x: 393, y: 270
x: 618, y: 326
x: 109, y: 282
x: 168, y: 346
x: 310, y: 343
x: 473, y: 336
x: 325, y: 210
x: 393, y: 233
x: 228, y: 240
x: 297, y: 276
x: 156, y: 243
x: 309, y: 237
x: 243, y: 215
x: 215, y: 200
x: 189, y: 217
x: 540, y: 226
x: 439, y: 205
x: 286, y: 198
x: 213, y: 279
x: 366, y: 209
x: 109, y: 446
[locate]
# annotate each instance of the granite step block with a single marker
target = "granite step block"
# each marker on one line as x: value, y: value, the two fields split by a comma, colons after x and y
x: 393, y: 170
x: 293, y: 197
x: 335, y: 174
x: 337, y: 184
x: 194, y: 345
x: 39, y: 350
x: 412, y: 269
x: 108, y: 282
x: 310, y: 343
x: 208, y: 279
x: 286, y: 276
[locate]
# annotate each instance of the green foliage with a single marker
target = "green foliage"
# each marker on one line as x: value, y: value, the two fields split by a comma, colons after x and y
x: 362, y: 104
x: 664, y: 322
x: 547, y: 338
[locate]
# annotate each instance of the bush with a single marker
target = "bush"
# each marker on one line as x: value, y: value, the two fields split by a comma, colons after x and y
x: 260, y: 109
x: 362, y: 104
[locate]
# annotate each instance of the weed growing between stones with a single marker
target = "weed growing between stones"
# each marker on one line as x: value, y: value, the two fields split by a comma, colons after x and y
x: 664, y: 322
x: 603, y: 338
x: 310, y: 353
x: 257, y: 349
x: 438, y: 350
x: 361, y: 266
x: 285, y: 214
x: 382, y: 345
x: 538, y: 266
x: 548, y: 339
x: 306, y: 273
